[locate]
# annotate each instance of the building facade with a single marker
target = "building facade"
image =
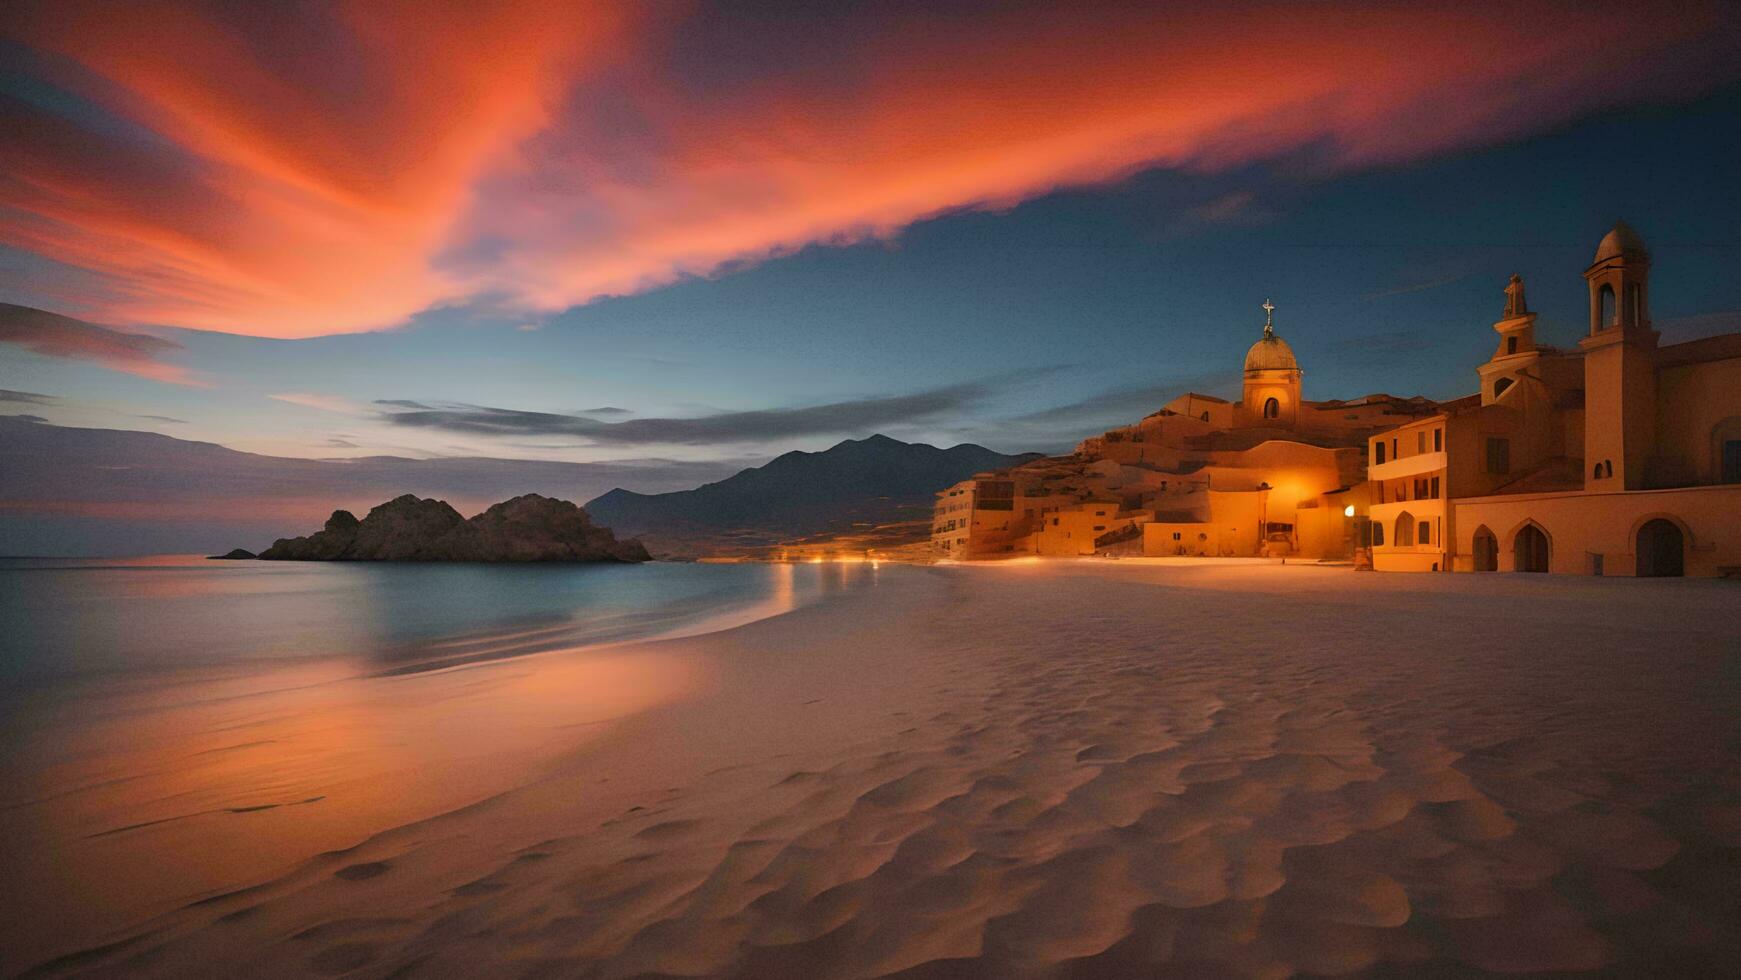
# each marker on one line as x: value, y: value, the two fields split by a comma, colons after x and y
x: 1269, y: 475
x: 1622, y: 457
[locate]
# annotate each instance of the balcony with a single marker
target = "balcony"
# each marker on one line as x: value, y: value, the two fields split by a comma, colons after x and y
x: 1387, y: 512
x: 1407, y: 466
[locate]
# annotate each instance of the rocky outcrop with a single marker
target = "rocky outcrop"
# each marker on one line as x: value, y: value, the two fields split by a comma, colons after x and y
x: 524, y: 529
x: 236, y: 554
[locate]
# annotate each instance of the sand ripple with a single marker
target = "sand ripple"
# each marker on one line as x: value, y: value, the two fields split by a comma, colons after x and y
x: 1155, y: 789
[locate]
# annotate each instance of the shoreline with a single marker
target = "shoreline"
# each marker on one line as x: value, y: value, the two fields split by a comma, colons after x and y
x: 1102, y: 764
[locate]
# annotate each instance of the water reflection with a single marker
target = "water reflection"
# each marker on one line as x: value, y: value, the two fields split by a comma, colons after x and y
x: 175, y: 729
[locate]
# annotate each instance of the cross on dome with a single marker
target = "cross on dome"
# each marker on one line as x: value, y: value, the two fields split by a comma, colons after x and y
x: 1269, y: 309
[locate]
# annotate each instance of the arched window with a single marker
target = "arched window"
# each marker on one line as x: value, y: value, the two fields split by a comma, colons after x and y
x: 1596, y: 472
x: 1608, y: 314
x: 1405, y: 530
x: 1661, y: 549
x: 1272, y: 408
x: 1607, y: 468
x: 1486, y: 551
x: 1529, y: 550
x: 1205, y: 416
x: 1634, y: 304
x: 1500, y: 386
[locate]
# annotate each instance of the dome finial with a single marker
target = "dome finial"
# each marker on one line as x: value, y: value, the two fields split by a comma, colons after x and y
x: 1269, y: 326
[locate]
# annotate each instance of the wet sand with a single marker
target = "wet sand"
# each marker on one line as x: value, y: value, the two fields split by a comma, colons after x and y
x: 1081, y: 769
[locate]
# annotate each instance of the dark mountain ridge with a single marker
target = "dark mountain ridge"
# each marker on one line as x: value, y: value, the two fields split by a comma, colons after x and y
x: 857, y: 481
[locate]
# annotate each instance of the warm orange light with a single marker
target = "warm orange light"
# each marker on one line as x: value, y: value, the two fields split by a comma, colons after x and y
x: 271, y: 200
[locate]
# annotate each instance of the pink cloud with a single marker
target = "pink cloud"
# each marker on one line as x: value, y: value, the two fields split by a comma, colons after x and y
x: 343, y: 167
x: 53, y: 335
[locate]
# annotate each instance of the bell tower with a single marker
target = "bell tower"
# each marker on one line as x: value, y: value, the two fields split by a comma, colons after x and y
x: 1619, y: 365
x: 1517, y: 353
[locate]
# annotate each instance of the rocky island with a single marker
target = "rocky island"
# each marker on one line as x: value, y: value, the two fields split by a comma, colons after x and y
x: 528, y: 528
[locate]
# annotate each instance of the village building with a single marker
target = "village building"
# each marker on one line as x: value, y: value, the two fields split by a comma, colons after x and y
x: 1619, y: 457
x: 1622, y: 457
x: 1272, y: 474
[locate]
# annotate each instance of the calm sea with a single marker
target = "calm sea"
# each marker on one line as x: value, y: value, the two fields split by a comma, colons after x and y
x: 176, y: 727
x: 66, y: 619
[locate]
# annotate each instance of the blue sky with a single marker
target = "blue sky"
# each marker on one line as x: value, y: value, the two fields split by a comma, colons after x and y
x: 567, y: 305
x: 1385, y: 279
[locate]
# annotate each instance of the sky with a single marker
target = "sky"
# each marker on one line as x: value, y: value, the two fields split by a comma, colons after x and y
x: 669, y: 240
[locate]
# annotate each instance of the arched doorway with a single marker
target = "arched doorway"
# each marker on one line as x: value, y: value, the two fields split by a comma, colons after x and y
x: 1272, y: 408
x: 1661, y: 549
x: 1486, y: 551
x: 1529, y: 550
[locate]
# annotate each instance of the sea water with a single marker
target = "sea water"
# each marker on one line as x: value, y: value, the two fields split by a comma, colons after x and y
x: 175, y: 727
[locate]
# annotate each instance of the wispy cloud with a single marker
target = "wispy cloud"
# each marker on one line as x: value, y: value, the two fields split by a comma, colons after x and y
x: 537, y: 156
x: 1417, y: 287
x: 325, y: 403
x: 26, y: 397
x: 1063, y: 425
x: 163, y: 418
x: 53, y: 335
x: 860, y: 416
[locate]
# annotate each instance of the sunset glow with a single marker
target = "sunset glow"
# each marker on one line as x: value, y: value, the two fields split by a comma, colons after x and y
x: 337, y: 169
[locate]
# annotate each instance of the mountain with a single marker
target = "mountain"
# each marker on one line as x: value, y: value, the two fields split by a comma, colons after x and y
x: 408, y: 528
x: 857, y: 483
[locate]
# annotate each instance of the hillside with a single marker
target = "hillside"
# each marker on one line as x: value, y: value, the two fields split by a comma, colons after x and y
x: 857, y: 484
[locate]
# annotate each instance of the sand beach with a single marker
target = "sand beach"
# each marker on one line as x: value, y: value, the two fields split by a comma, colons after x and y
x: 1058, y: 769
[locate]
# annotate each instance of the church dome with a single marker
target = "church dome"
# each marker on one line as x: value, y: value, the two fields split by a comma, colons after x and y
x: 1619, y: 242
x: 1272, y: 353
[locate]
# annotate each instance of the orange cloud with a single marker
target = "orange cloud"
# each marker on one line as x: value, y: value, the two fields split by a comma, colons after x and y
x: 343, y: 169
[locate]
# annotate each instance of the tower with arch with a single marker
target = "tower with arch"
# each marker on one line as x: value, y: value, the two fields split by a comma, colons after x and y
x: 1619, y: 365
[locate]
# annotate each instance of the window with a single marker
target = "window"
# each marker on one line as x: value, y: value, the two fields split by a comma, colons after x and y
x: 1393, y: 453
x: 1634, y: 303
x: 1438, y: 440
x: 1272, y: 409
x: 1175, y: 535
x: 1377, y: 535
x: 1596, y: 472
x: 1500, y: 386
x: 1498, y: 456
x: 1435, y: 488
x: 1607, y: 315
x: 1420, y: 442
x: 1425, y: 533
x: 1511, y: 345
x: 1378, y: 451
x: 1405, y: 531
x: 1205, y: 416
x: 1732, y: 461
